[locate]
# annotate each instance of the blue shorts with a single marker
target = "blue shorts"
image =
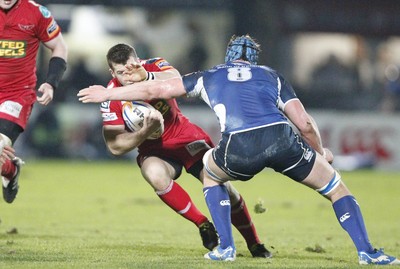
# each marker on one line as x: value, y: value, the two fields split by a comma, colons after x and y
x: 243, y: 155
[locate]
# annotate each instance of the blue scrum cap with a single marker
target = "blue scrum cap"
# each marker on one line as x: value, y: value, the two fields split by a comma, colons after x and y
x: 242, y: 47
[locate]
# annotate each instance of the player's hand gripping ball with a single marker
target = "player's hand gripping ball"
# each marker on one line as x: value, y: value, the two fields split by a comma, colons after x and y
x: 134, y: 113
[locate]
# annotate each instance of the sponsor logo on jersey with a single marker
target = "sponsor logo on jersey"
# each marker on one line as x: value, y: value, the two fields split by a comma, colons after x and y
x: 26, y: 27
x: 225, y: 202
x: 11, y: 108
x: 197, y: 146
x: 163, y: 64
x: 105, y: 106
x: 109, y: 116
x: 12, y: 49
x: 45, y: 12
x: 52, y: 29
x: 162, y: 106
x: 344, y: 217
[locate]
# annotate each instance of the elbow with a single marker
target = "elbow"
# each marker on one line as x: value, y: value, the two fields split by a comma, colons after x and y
x: 116, y: 152
x: 306, y: 129
x: 306, y: 132
x: 305, y: 125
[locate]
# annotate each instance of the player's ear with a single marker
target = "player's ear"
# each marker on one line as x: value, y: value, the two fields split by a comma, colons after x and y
x: 111, y: 72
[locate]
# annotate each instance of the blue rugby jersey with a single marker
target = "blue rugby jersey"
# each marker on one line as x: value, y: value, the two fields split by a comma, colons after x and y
x: 242, y: 95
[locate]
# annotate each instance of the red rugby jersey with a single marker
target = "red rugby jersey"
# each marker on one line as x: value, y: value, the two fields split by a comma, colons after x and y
x: 175, y: 123
x: 21, y: 30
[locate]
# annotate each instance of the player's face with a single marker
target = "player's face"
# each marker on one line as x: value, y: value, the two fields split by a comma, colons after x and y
x: 118, y: 73
x: 7, y: 4
x: 128, y: 73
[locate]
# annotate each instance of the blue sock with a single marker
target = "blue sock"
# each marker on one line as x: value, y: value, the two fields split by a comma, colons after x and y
x: 350, y: 218
x: 217, y: 200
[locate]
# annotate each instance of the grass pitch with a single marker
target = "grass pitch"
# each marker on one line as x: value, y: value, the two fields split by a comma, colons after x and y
x: 104, y: 215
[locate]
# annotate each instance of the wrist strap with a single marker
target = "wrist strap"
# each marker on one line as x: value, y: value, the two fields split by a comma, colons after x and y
x: 150, y: 76
x: 57, y: 67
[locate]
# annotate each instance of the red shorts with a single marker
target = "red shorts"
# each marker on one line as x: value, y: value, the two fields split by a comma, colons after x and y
x: 16, y: 106
x: 187, y: 148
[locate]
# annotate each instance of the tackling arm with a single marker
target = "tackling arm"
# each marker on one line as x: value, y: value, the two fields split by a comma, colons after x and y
x: 137, y: 73
x: 164, y: 75
x: 146, y: 90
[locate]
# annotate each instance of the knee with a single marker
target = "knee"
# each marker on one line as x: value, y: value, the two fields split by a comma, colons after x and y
x: 158, y: 181
x: 331, y: 186
x: 335, y: 189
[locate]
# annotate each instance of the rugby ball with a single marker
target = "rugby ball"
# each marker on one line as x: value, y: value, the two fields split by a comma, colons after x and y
x: 133, y: 114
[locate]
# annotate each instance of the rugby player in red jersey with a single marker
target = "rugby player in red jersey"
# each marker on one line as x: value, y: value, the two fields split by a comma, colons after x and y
x: 182, y: 144
x: 24, y: 25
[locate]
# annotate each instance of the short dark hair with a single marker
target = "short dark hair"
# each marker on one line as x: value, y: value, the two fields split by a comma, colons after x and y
x: 119, y: 54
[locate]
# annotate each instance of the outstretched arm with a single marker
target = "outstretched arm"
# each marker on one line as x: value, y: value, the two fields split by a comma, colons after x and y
x: 147, y: 90
x: 135, y: 72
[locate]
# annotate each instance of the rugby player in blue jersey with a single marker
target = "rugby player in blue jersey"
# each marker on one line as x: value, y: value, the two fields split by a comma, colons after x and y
x: 253, y: 104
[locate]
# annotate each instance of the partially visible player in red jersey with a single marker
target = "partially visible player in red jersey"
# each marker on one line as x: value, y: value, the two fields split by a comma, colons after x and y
x: 24, y: 26
x: 182, y: 144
